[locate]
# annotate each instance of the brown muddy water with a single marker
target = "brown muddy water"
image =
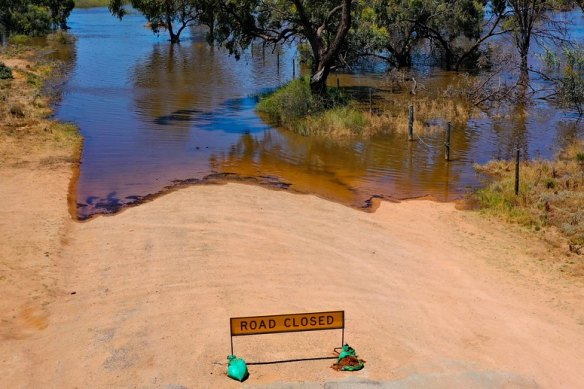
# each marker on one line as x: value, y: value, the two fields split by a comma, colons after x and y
x: 154, y: 115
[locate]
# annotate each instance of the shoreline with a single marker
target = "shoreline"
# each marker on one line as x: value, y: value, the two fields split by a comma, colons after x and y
x: 369, y: 205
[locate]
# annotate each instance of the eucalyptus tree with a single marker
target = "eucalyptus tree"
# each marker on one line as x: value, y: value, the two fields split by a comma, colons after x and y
x: 457, y: 29
x: 385, y: 30
x: 526, y: 13
x: 34, y: 17
x: 323, y: 24
x: 172, y: 15
x: 454, y: 31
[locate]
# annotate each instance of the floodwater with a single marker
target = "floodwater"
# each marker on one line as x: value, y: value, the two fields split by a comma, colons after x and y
x: 154, y: 114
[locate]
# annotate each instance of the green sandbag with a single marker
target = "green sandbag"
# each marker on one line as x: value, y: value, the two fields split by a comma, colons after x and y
x: 354, y: 368
x: 346, y: 351
x: 237, y: 368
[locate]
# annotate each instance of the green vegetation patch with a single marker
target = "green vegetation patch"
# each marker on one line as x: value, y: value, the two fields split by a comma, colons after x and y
x: 20, y: 39
x: 294, y: 107
x: 551, y: 194
x: 5, y: 72
x: 91, y: 3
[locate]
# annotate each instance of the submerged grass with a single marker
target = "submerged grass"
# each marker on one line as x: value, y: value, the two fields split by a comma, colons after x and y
x: 551, y: 195
x: 338, y: 116
x: 27, y: 131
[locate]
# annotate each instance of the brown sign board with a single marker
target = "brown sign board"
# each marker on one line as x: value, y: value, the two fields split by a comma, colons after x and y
x: 315, y: 321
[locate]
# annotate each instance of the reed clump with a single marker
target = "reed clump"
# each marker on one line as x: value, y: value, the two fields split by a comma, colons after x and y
x: 551, y: 195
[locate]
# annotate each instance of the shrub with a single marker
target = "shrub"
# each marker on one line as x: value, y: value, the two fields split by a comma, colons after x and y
x: 17, y: 110
x: 33, y: 21
x: 5, y: 72
x: 290, y: 103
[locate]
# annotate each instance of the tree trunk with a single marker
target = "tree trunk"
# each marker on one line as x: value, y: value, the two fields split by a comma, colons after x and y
x: 174, y: 38
x: 320, y: 73
x: 324, y: 55
x: 523, y: 68
x: 403, y: 60
x: 448, y: 59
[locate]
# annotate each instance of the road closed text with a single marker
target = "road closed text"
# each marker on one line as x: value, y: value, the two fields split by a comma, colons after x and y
x: 287, y: 323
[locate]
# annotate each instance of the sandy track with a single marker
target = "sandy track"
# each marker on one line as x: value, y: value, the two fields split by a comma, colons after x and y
x: 433, y: 296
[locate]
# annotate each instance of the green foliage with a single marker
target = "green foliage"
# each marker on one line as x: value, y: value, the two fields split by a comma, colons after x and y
x: 34, y: 17
x: 33, y: 21
x: 385, y: 29
x: 5, y: 72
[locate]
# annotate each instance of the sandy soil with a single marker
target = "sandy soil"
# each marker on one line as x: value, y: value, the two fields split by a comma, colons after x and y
x: 434, y: 297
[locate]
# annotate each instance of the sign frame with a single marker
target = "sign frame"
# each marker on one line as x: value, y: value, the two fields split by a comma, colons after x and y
x: 290, y: 315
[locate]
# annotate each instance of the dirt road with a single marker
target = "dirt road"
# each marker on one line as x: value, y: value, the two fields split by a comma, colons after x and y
x: 434, y: 297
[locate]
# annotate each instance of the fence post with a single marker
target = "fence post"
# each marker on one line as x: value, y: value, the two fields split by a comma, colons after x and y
x: 411, y: 124
x: 517, y: 173
x: 370, y: 102
x: 293, y: 67
x: 447, y: 144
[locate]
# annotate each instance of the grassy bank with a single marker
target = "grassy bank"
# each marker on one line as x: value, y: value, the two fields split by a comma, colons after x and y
x: 27, y: 132
x: 91, y: 3
x: 551, y: 196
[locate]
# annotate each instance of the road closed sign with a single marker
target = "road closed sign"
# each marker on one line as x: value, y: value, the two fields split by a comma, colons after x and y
x: 255, y: 325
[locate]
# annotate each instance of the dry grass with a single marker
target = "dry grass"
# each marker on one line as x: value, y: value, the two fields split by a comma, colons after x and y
x: 551, y: 197
x: 26, y: 130
x: 430, y: 114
